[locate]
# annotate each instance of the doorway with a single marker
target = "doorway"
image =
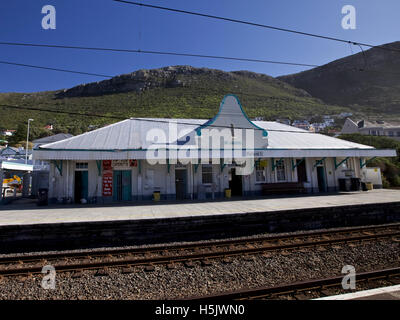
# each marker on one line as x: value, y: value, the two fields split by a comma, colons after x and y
x: 321, y: 179
x: 235, y: 183
x: 81, y: 186
x: 301, y: 170
x: 180, y: 183
x: 122, y: 185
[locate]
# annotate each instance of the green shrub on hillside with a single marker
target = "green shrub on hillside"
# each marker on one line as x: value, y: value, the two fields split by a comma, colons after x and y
x: 390, y: 167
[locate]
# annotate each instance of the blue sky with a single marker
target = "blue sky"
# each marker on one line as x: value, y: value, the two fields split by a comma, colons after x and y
x: 104, y: 23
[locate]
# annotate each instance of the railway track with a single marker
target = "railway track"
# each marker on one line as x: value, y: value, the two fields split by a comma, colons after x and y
x: 171, y: 255
x: 308, y: 289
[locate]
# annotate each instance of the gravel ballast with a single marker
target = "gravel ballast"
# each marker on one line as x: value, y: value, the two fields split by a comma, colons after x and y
x: 271, y: 269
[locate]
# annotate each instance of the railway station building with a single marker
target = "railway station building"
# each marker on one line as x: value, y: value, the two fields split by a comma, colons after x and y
x: 229, y: 155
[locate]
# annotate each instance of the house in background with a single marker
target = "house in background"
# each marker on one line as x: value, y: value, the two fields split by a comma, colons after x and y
x: 377, y: 128
x: 7, y: 133
x: 301, y: 124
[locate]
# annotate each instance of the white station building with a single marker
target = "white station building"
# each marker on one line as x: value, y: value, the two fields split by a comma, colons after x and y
x: 139, y: 158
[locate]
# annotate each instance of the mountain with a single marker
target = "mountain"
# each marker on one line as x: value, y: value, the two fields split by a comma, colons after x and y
x: 368, y: 82
x: 171, y: 92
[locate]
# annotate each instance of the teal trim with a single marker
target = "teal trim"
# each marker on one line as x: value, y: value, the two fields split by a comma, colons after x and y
x: 222, y: 165
x: 196, y: 166
x: 275, y: 164
x: 337, y: 165
x: 210, y: 122
x: 295, y: 165
x: 122, y: 185
x: 85, y: 184
x: 59, y: 166
x: 167, y: 149
x: 362, y: 165
x: 98, y: 162
x: 318, y: 162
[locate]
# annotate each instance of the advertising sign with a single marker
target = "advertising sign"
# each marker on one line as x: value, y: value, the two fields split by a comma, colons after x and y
x: 107, y: 183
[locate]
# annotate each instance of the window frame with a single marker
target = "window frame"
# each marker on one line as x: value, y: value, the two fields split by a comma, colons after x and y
x: 208, y: 166
x: 279, y: 164
x: 79, y: 167
x: 263, y: 170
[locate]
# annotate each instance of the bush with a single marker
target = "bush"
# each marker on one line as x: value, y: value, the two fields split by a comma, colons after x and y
x: 385, y: 183
x: 390, y: 167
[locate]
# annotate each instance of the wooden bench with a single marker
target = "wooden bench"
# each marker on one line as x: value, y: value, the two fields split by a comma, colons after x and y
x: 283, y: 188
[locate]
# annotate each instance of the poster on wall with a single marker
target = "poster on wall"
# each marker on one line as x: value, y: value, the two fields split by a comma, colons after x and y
x: 120, y: 164
x: 107, y: 183
x: 107, y: 165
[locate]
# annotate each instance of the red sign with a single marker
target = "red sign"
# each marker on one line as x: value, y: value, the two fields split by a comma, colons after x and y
x: 107, y: 165
x: 107, y: 183
x: 133, y: 163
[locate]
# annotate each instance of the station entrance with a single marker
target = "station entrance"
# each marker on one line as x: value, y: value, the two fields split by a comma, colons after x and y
x: 235, y: 183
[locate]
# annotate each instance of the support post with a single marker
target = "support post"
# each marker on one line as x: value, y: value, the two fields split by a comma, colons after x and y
x: 274, y: 165
x: 98, y: 162
x: 295, y: 165
x: 59, y: 166
x: 337, y: 165
x: 362, y: 165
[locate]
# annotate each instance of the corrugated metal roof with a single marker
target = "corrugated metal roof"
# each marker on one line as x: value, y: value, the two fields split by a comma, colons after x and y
x: 129, y: 138
x: 131, y: 134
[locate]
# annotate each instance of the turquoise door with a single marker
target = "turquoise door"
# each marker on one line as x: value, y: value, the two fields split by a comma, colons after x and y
x: 122, y: 186
x: 321, y: 179
x: 85, y: 185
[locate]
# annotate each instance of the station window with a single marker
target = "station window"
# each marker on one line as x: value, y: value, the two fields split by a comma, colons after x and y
x: 260, y: 172
x: 81, y: 165
x: 206, y: 174
x: 280, y: 171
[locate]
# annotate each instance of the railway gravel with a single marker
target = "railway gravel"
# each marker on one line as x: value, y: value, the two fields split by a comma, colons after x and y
x: 182, y: 281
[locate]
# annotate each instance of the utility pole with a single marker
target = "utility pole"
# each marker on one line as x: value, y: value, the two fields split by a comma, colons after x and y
x: 27, y: 141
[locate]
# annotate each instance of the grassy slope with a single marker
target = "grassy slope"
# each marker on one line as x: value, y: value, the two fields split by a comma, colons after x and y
x: 199, y: 98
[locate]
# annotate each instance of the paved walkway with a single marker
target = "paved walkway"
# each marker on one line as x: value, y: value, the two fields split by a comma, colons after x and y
x: 31, y: 214
x: 386, y: 293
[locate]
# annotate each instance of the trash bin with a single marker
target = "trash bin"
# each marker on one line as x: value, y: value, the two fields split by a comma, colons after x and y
x: 43, y: 199
x: 355, y: 184
x: 228, y: 193
x: 364, y: 186
x: 369, y: 185
x: 156, y: 196
x: 344, y: 184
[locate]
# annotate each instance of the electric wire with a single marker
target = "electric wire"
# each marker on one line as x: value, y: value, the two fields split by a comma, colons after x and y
x: 204, y: 15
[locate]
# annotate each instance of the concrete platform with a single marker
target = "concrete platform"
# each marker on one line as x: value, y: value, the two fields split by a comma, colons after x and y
x: 386, y: 293
x: 28, y: 214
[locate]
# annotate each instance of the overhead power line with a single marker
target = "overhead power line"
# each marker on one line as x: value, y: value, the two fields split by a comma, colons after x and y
x: 59, y: 111
x: 54, y: 69
x: 254, y: 24
x: 170, y: 53
x: 141, y: 119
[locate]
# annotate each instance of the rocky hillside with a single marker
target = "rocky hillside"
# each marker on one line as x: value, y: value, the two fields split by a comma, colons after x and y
x: 170, y: 77
x: 368, y: 83
x: 178, y: 91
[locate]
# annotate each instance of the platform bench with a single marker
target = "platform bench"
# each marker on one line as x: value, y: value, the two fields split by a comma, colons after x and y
x: 283, y: 188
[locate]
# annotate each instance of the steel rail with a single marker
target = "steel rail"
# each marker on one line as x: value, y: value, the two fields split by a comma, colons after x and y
x: 297, y: 287
x: 8, y: 259
x: 164, y: 257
